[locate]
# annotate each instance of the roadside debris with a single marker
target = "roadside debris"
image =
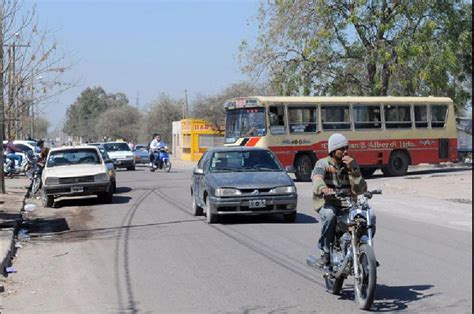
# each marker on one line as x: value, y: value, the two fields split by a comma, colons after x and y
x: 10, y: 270
x: 30, y: 207
x: 23, y: 235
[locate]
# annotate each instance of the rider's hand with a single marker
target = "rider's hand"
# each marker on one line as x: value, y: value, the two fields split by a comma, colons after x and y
x: 327, y: 191
x: 349, y: 162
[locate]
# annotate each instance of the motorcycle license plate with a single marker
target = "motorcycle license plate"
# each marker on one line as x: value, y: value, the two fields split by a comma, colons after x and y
x: 77, y: 189
x: 257, y: 203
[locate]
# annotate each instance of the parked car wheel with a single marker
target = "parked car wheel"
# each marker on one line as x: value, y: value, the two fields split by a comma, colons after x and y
x: 108, y: 196
x: 132, y: 168
x: 47, y: 200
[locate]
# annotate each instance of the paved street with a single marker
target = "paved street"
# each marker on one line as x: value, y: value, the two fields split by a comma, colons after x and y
x: 146, y: 252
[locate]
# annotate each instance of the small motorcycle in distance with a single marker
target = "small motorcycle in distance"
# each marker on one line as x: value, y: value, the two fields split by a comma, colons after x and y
x: 353, y: 252
x: 162, y: 160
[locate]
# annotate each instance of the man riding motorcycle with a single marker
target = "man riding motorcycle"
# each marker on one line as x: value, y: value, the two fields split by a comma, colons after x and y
x: 10, y: 150
x: 338, y: 171
x: 155, y: 146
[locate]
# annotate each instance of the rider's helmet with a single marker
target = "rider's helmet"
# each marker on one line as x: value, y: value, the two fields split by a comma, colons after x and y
x: 337, y: 141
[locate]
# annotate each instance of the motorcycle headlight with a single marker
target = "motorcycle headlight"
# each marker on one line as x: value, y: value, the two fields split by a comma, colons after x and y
x: 51, y: 181
x: 283, y: 190
x: 223, y: 192
x: 101, y: 177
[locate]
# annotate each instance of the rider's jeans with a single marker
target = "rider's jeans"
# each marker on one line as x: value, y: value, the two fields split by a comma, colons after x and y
x: 14, y: 157
x: 328, y: 216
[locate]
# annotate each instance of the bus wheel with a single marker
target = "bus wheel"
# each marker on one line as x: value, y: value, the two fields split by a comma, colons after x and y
x: 367, y: 172
x: 304, y: 167
x: 397, y: 164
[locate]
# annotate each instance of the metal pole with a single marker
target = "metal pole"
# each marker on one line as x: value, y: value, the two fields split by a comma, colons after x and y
x: 2, y: 104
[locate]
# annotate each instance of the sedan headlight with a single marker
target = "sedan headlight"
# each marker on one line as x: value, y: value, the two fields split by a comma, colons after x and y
x: 283, y: 190
x: 101, y: 177
x: 223, y: 192
x: 51, y: 181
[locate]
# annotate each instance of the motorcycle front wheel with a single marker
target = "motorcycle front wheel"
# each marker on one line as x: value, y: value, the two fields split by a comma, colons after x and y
x: 167, y: 165
x: 36, y: 185
x: 364, y: 286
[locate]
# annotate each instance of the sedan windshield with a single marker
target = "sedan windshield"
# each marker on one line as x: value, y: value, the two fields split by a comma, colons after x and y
x: 73, y: 157
x: 257, y: 160
x: 116, y: 147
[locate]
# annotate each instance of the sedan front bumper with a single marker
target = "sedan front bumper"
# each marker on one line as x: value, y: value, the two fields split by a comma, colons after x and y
x: 77, y: 189
x: 279, y: 204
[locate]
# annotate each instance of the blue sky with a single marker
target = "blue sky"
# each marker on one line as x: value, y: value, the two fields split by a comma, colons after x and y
x: 148, y: 47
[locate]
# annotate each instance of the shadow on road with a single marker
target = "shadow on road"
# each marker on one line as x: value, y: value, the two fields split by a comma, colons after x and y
x: 122, y: 189
x: 270, y: 218
x: 46, y: 225
x: 397, y: 298
x: 89, y: 201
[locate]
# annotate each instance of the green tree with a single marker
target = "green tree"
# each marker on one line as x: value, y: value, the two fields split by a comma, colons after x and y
x: 82, y: 116
x: 211, y: 107
x: 159, y: 118
x: 119, y: 122
x: 334, y: 47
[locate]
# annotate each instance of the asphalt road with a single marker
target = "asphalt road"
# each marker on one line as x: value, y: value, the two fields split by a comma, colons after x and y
x: 146, y: 252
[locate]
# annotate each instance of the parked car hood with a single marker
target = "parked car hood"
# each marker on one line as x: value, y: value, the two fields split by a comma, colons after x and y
x: 74, y: 170
x: 249, y: 180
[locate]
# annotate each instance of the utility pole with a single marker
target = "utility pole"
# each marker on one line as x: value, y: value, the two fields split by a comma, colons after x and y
x: 138, y: 99
x: 185, y: 106
x: 2, y: 104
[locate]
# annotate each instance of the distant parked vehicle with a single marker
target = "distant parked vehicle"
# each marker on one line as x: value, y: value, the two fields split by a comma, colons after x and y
x: 77, y: 171
x: 142, y: 156
x: 121, y: 154
x: 464, y: 127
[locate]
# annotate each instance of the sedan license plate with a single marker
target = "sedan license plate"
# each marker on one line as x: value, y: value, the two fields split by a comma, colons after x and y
x: 257, y: 203
x: 77, y: 189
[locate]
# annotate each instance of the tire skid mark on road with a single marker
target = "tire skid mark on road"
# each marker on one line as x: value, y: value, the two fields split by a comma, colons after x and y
x: 126, y: 221
x: 268, y: 254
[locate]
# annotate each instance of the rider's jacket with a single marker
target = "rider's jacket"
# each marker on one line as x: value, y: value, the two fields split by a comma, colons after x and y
x: 335, y: 176
x: 155, y: 145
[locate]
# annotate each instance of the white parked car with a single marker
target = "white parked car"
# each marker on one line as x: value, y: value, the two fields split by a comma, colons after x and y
x: 121, y: 154
x: 74, y: 171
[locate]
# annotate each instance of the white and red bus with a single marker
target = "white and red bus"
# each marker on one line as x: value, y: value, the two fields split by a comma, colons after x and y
x: 389, y: 133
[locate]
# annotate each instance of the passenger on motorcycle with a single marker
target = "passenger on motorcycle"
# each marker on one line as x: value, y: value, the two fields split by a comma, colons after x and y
x: 10, y: 150
x: 155, y: 146
x: 338, y: 171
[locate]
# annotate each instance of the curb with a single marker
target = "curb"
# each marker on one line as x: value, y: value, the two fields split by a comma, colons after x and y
x: 10, y: 233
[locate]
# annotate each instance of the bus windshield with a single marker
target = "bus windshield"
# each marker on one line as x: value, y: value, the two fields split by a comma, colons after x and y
x: 244, y: 122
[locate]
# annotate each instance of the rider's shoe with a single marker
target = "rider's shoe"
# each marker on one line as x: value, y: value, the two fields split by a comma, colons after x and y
x: 323, y: 260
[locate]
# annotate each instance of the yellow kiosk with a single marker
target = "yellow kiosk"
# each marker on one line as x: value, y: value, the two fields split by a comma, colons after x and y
x: 193, y: 137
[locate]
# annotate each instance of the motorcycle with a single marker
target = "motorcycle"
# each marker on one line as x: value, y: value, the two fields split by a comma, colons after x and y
x: 35, y: 176
x: 162, y: 160
x: 353, y: 251
x: 11, y: 167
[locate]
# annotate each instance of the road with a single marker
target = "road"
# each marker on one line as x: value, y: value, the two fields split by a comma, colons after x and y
x: 146, y: 252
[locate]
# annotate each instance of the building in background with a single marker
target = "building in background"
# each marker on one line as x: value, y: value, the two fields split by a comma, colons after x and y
x: 193, y: 137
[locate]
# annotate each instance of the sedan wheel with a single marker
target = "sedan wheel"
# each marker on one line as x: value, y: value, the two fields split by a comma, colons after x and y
x: 197, y: 211
x: 210, y: 217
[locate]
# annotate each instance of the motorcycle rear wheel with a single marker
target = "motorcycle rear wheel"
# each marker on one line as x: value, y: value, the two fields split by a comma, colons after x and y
x: 364, y: 287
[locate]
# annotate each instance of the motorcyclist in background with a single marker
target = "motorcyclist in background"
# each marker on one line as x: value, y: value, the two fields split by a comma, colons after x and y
x: 338, y: 171
x: 10, y: 150
x: 155, y: 146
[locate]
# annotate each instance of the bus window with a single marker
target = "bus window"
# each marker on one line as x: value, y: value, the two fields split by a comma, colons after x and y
x: 397, y: 117
x: 367, y: 117
x: 421, y: 116
x: 438, y: 116
x: 276, y: 115
x: 335, y: 117
x: 302, y: 119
